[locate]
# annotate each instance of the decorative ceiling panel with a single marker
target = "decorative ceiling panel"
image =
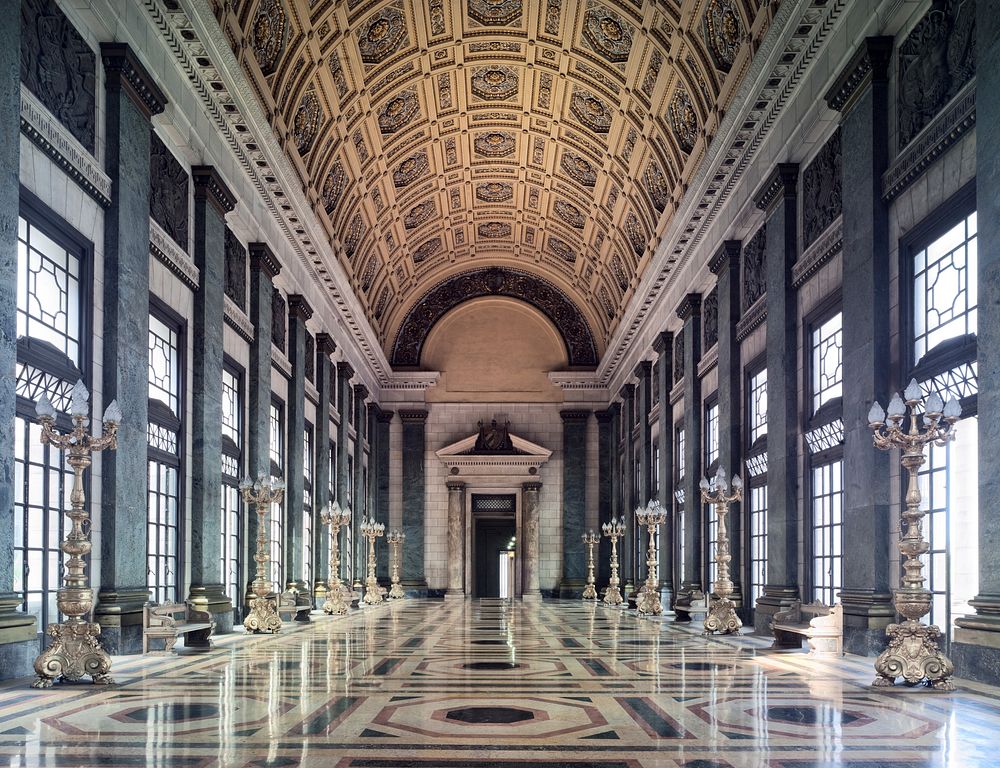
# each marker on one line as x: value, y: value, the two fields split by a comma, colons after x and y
x: 554, y: 137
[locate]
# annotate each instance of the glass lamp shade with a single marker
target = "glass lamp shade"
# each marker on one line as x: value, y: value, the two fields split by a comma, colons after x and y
x: 704, y: 484
x: 79, y: 399
x: 912, y: 391
x: 737, y: 482
x: 44, y: 407
x: 876, y: 415
x: 952, y: 409
x: 113, y: 413
x: 934, y: 403
x: 897, y: 408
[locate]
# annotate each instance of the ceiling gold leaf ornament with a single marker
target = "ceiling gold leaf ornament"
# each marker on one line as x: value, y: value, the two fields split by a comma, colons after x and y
x: 636, y: 237
x: 590, y: 110
x: 578, y: 168
x: 382, y: 303
x: 553, y: 10
x: 606, y: 302
x: 383, y: 34
x: 607, y: 33
x: 418, y: 214
x: 267, y: 34
x: 562, y: 249
x: 369, y: 275
x: 495, y: 144
x: 656, y: 186
x: 494, y: 83
x: 355, y: 231
x: 306, y: 122
x: 722, y: 29
x: 683, y: 119
x: 494, y: 192
x: 333, y: 187
x: 337, y: 73
x: 426, y: 249
x: 398, y: 111
x: 618, y: 271
x: 569, y: 213
x: 494, y: 229
x: 411, y: 169
x: 495, y: 12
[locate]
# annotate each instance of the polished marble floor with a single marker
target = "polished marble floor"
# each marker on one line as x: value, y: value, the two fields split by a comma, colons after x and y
x: 476, y: 684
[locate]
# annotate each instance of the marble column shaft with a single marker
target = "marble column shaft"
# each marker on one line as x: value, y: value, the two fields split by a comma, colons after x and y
x: 264, y: 267
x: 664, y: 347
x: 325, y: 347
x: 689, y: 312
x: 378, y: 478
x: 456, y: 539
x: 864, y: 125
x: 18, y: 638
x: 574, y: 506
x: 212, y: 201
x: 529, y: 520
x: 414, y: 449
x: 644, y: 459
x: 299, y: 312
x: 726, y: 265
x: 628, y: 544
x: 778, y: 198
x: 362, y: 503
x: 976, y: 650
x: 344, y: 497
x: 605, y: 492
x: 132, y: 98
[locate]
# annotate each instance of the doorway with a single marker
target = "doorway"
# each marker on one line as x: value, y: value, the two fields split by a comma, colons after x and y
x: 494, y: 544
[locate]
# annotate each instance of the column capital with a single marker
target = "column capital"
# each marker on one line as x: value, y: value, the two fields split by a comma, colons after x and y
x: 344, y: 370
x: 614, y: 409
x: 454, y: 486
x: 689, y: 307
x: 125, y: 71
x: 209, y: 187
x: 663, y: 344
x: 325, y: 345
x: 783, y: 182
x: 574, y: 415
x: 531, y: 485
x: 644, y: 369
x: 383, y: 416
x: 627, y: 392
x: 262, y: 259
x: 360, y: 392
x: 413, y: 416
x: 869, y: 64
x: 298, y: 307
x: 727, y: 255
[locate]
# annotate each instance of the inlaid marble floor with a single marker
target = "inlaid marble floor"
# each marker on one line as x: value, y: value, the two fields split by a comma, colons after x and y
x: 471, y: 685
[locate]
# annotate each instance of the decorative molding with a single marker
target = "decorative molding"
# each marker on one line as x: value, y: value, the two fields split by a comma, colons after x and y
x: 870, y: 62
x: 237, y: 320
x: 822, y: 250
x: 55, y: 140
x: 279, y: 361
x: 577, y: 381
x: 411, y: 381
x: 208, y: 185
x: 783, y: 181
x: 945, y: 130
x: 124, y: 70
x: 172, y: 256
x: 298, y: 307
x: 822, y: 190
x: 728, y: 253
x: 708, y: 360
x: 752, y: 318
x: 262, y: 259
x: 689, y: 307
x: 412, y: 416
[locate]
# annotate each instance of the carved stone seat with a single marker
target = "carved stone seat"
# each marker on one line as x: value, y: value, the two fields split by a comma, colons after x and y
x: 821, y: 625
x: 171, y: 620
x: 691, y: 607
x: 288, y: 608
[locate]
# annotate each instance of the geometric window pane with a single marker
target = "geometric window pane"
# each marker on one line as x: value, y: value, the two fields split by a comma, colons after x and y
x: 162, y: 438
x: 32, y: 382
x: 162, y: 560
x: 827, y: 531
x: 711, y: 434
x: 277, y: 443
x: 945, y: 288
x: 961, y: 381
x: 827, y: 361
x: 231, y: 406
x: 277, y: 543
x: 164, y: 364
x: 756, y: 465
x: 758, y: 542
x: 758, y: 405
x: 679, y: 454
x: 712, y: 536
x: 825, y: 437
x: 231, y: 554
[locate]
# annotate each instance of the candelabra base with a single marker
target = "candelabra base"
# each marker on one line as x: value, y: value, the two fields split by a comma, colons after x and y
x: 612, y: 596
x: 913, y: 655
x: 648, y: 602
x: 722, y: 617
x: 373, y: 593
x: 396, y: 592
x: 263, y: 616
x: 590, y: 592
x: 74, y: 653
x: 338, y: 600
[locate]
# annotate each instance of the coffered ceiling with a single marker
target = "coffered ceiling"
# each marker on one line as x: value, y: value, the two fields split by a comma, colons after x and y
x: 551, y: 138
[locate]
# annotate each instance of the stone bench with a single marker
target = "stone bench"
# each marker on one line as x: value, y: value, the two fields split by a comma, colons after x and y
x: 288, y: 607
x: 821, y: 625
x: 169, y: 621
x: 693, y: 606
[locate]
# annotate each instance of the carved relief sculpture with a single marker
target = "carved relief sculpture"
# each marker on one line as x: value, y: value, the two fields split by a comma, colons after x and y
x: 678, y: 357
x: 279, y: 311
x: 411, y: 169
x: 722, y: 29
x: 494, y: 83
x: 306, y: 122
x: 822, y: 199
x: 561, y: 249
x: 494, y: 192
x: 635, y: 234
x: 569, y: 213
x: 267, y: 34
x: 333, y: 187
x: 494, y: 229
x: 710, y: 320
x: 578, y: 168
x: 656, y: 186
x: 590, y: 110
x: 494, y: 144
x: 427, y: 249
x: 495, y: 12
x: 754, y: 279
x: 607, y: 33
x: 418, y: 214
x: 236, y: 270
x: 683, y: 119
x: 382, y: 35
x: 168, y: 192
x: 399, y: 111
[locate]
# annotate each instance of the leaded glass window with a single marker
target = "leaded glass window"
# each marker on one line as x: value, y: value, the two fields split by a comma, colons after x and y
x: 758, y: 541
x: 711, y: 435
x: 757, y: 405
x: 827, y: 361
x: 827, y: 503
x: 307, y: 506
x: 232, y: 503
x: 164, y: 363
x: 679, y: 497
x: 277, y: 521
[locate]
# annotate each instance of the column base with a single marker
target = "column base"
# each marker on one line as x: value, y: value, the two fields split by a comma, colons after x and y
x: 531, y: 597
x: 866, y: 615
x: 212, y: 598
x: 18, y: 638
x: 119, y: 612
x: 976, y: 647
x: 303, y: 596
x: 454, y: 594
x: 571, y: 589
x: 774, y: 599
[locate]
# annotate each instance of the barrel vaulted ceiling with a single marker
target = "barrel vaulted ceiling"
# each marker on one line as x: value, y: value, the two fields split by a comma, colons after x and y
x: 552, y: 138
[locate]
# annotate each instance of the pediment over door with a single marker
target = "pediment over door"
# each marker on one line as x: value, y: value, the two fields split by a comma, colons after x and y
x: 523, y: 458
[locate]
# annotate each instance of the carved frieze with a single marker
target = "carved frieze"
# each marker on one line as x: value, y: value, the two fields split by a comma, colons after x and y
x: 494, y: 144
x: 754, y: 268
x: 279, y: 313
x: 494, y: 192
x: 578, y: 168
x: 822, y: 200
x: 333, y: 187
x: 723, y: 31
x: 310, y: 358
x: 569, y: 213
x: 235, y: 270
x: 683, y: 119
x: 168, y: 192
x: 590, y: 111
x: 418, y: 214
x: 382, y: 34
x: 553, y: 9
x: 398, y: 111
x: 306, y: 122
x: 427, y: 249
x: 412, y: 168
x: 494, y: 281
x: 494, y: 83
x: 268, y: 33
x: 678, y: 357
x: 562, y: 249
x: 59, y: 68
x: 935, y: 60
x: 656, y: 186
x: 710, y: 320
x: 607, y: 33
x: 497, y: 13
x: 493, y: 229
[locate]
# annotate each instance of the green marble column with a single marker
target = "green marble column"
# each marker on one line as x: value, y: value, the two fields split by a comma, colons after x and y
x: 325, y: 347
x: 574, y: 502
x: 299, y: 313
x: 362, y: 503
x: 414, y: 447
x: 689, y: 312
x: 664, y: 347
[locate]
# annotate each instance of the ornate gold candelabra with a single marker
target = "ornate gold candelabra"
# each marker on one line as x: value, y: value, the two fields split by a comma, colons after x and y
x: 75, y: 651
x: 337, y: 593
x: 913, y: 652
x: 590, y: 539
x: 395, y: 539
x: 614, y: 530
x: 371, y: 531
x: 262, y: 493
x: 722, y: 611
x: 652, y: 516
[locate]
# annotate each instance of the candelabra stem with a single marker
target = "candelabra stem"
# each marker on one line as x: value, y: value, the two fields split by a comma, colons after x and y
x: 337, y: 602
x: 396, y: 590
x: 648, y: 603
x: 612, y: 596
x: 263, y: 616
x: 373, y: 592
x: 722, y: 611
x: 590, y: 591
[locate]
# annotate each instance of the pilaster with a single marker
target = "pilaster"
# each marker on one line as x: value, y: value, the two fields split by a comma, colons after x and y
x: 605, y: 491
x: 644, y: 459
x: 325, y: 347
x: 574, y: 507
x: 629, y: 545
x: 663, y: 345
x: 362, y: 502
x: 343, y: 480
x: 456, y: 540
x: 299, y: 313
x: 414, y: 448
x: 530, y: 591
x: 689, y: 313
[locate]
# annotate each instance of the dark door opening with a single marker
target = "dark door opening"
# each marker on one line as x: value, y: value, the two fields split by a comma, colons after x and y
x: 494, y: 539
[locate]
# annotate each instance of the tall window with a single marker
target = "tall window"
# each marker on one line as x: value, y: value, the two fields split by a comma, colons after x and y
x: 50, y: 359
x: 756, y: 465
x: 944, y: 349
x: 163, y: 459
x: 825, y: 439
x: 679, y: 497
x: 307, y: 506
x: 232, y: 505
x: 277, y: 523
x: 711, y: 457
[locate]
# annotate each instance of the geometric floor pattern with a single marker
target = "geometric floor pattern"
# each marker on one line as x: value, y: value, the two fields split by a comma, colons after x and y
x: 429, y: 684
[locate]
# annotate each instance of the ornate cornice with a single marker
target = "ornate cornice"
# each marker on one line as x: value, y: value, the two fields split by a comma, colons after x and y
x: 345, y: 370
x: 531, y: 485
x: 383, y: 416
x: 124, y: 70
x: 237, y: 320
x: 689, y: 307
x: 412, y: 416
x: 172, y: 256
x: 728, y: 254
x: 870, y: 63
x: 752, y: 318
x: 783, y: 181
x: 360, y: 393
x: 604, y: 417
x: 663, y: 344
x: 325, y: 345
x: 643, y: 369
x: 298, y: 307
x: 627, y: 392
x: 574, y: 415
x: 824, y: 248
x: 454, y: 485
x: 209, y: 186
x: 262, y: 259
